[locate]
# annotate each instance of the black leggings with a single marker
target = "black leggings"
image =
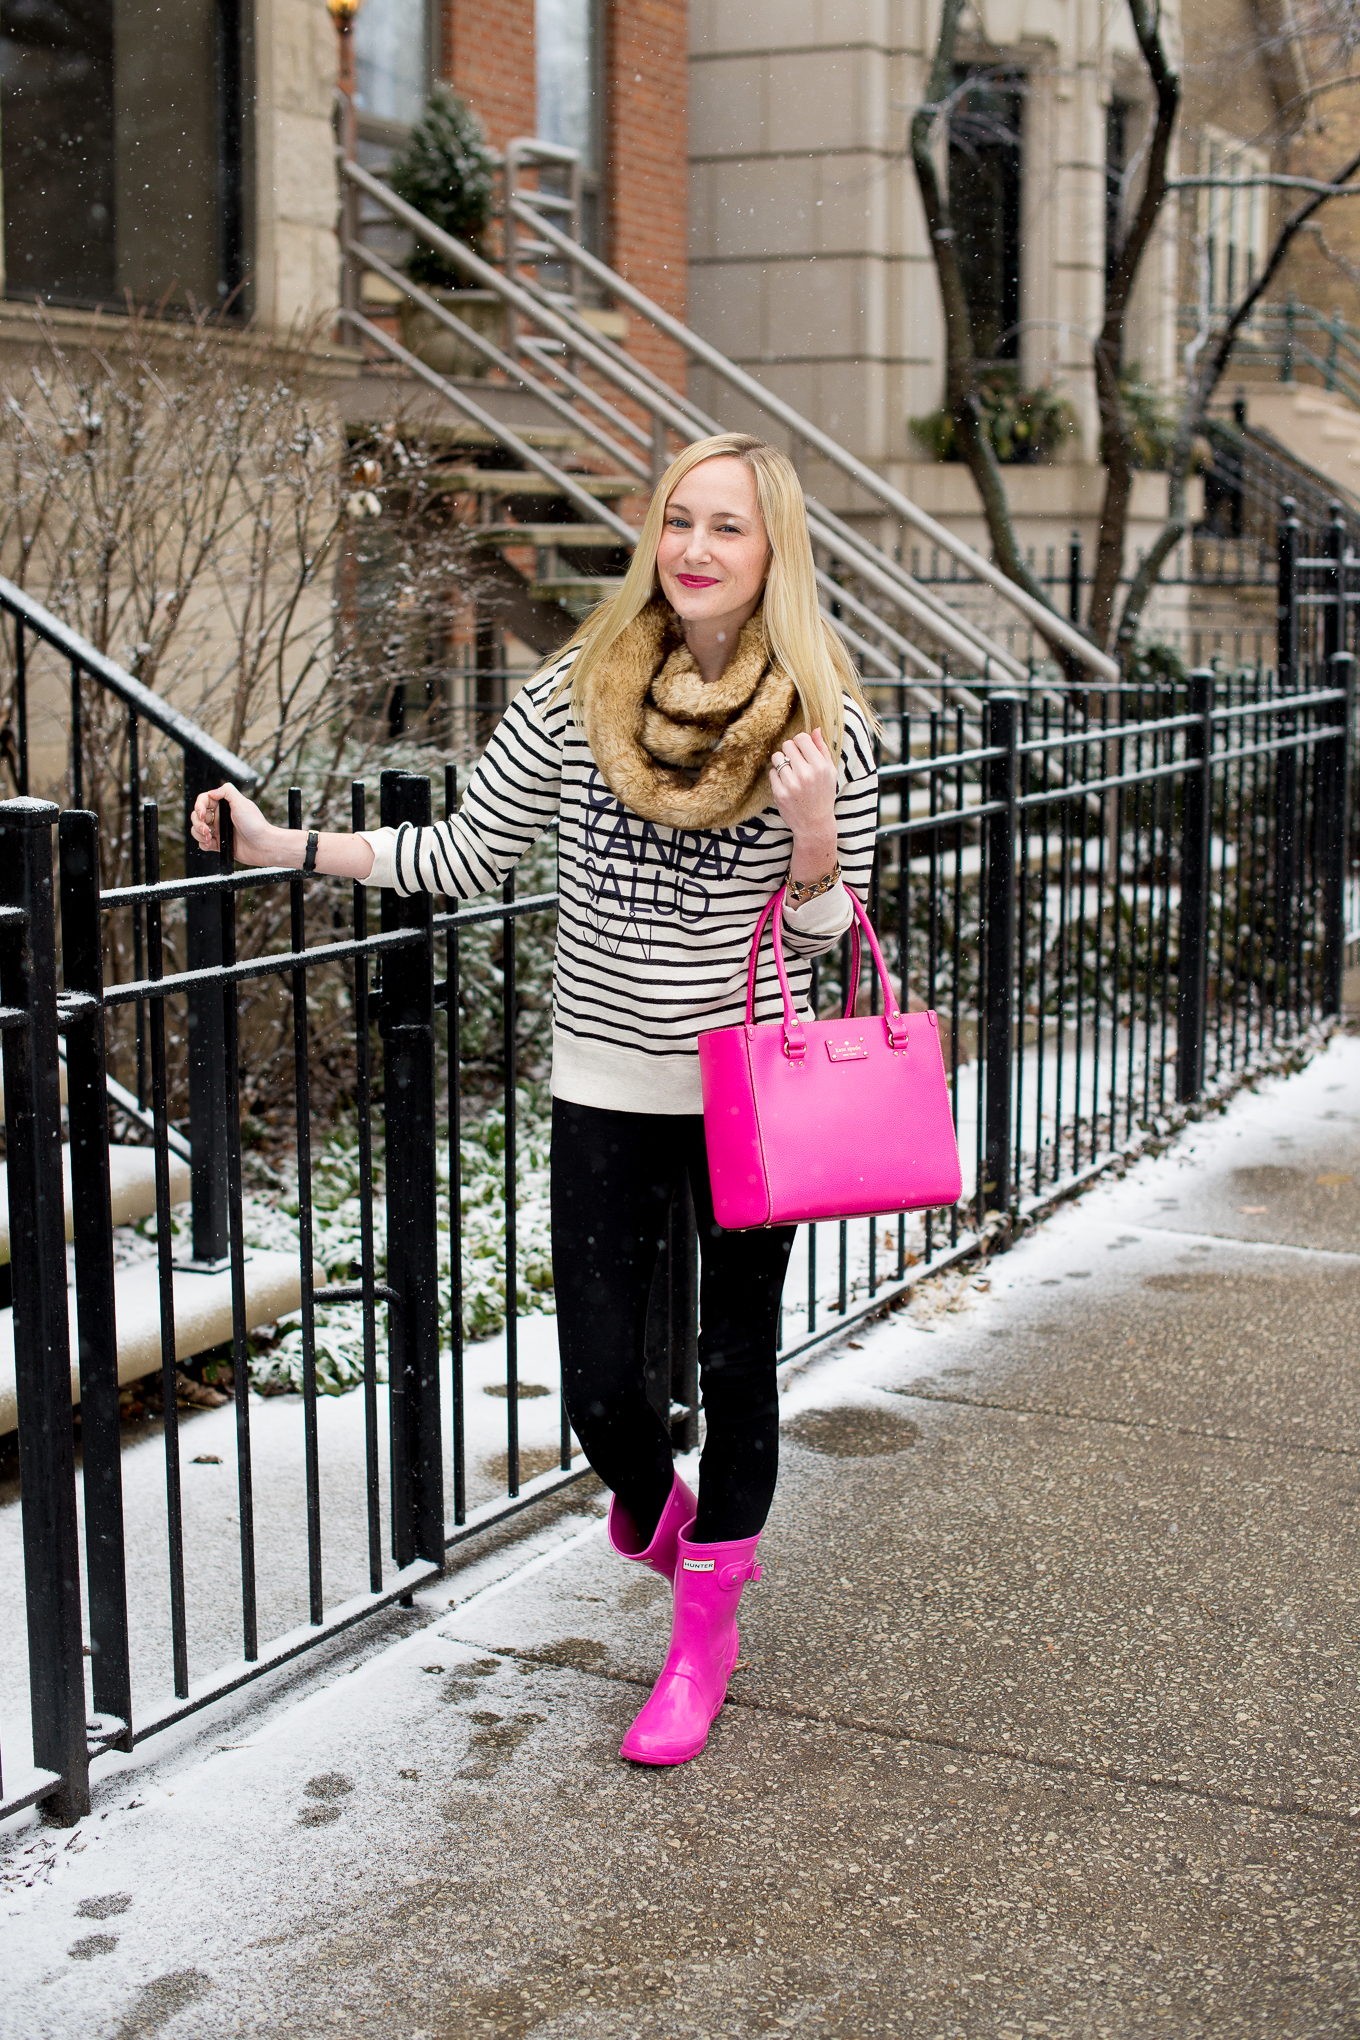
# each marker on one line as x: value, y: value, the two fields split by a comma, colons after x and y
x: 613, y: 1177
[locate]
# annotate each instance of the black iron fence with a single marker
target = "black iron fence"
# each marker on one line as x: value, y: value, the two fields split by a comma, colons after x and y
x: 1118, y: 904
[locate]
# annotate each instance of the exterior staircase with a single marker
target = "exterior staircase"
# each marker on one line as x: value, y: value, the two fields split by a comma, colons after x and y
x: 1318, y: 428
x: 554, y: 357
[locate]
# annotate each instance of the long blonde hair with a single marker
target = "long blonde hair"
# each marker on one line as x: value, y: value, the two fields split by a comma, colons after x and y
x: 800, y: 638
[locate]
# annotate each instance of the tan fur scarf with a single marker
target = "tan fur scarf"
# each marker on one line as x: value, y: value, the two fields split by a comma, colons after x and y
x: 678, y: 750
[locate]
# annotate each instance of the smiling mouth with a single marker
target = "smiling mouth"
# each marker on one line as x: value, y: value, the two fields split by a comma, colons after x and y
x: 697, y: 580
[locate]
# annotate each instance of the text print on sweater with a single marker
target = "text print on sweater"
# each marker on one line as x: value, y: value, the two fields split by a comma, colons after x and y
x: 654, y: 924
x: 638, y: 874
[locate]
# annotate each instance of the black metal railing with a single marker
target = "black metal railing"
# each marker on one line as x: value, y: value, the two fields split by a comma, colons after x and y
x: 68, y: 661
x: 1118, y: 906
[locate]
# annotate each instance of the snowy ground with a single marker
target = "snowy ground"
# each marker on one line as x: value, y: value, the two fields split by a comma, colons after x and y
x: 208, y: 1461
x: 202, y: 1898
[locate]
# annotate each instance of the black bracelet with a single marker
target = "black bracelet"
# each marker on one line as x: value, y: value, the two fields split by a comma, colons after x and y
x: 309, y: 860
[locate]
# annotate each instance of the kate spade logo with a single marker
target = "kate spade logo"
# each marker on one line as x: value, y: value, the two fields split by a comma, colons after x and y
x: 847, y: 1050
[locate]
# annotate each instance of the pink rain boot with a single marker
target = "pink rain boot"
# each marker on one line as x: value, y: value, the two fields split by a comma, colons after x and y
x: 674, y: 1725
x: 660, y: 1554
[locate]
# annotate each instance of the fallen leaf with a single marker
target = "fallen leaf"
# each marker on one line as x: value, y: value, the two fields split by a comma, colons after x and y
x: 1331, y: 1179
x: 207, y: 1459
x: 1253, y: 1210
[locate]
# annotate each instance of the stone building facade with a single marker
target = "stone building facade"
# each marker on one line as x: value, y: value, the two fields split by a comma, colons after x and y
x: 809, y: 257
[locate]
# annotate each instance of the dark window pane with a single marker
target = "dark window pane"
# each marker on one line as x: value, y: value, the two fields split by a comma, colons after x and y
x: 120, y: 140
x: 984, y: 195
x: 57, y: 147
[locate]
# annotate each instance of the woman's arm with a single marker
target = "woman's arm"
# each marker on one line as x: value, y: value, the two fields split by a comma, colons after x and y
x: 817, y: 926
x: 256, y: 840
x: 512, y: 797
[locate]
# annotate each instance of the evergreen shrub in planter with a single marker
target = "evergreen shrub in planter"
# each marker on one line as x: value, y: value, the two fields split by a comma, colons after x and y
x: 447, y: 172
x: 1024, y: 426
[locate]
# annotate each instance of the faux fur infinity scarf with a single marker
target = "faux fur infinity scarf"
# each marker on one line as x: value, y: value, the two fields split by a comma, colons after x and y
x: 678, y: 750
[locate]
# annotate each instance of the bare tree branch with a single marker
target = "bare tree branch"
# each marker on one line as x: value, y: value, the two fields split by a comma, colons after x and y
x: 1201, y: 387
x: 1117, y: 447
x: 961, y: 366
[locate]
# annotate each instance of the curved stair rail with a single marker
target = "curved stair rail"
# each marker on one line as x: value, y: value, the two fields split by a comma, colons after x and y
x: 812, y: 435
x: 564, y: 338
x: 205, y: 763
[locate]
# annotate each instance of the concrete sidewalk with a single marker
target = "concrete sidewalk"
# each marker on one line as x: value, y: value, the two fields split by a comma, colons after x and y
x: 1047, y: 1722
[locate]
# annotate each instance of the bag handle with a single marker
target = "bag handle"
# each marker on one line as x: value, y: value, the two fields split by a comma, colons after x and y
x: 795, y: 1042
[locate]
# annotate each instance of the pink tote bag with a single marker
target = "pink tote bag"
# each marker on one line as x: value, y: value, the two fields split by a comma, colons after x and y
x: 812, y: 1119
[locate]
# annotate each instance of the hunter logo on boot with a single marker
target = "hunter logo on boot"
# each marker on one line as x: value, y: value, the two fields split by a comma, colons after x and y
x: 698, y: 1564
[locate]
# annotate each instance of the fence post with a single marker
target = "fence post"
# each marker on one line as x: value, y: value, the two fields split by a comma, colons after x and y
x: 1286, y: 610
x: 87, y: 1112
x: 1333, y: 810
x: 1286, y: 761
x: 207, y: 1091
x: 672, y: 1344
x: 406, y: 1024
x: 1074, y: 578
x: 1334, y: 615
x: 1003, y: 731
x: 42, y: 1349
x: 1193, y: 969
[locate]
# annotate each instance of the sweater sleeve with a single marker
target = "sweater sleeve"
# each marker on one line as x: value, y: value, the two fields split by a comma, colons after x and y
x: 812, y: 929
x: 511, y: 800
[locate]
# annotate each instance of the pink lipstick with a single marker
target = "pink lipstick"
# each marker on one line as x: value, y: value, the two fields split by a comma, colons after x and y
x: 697, y: 580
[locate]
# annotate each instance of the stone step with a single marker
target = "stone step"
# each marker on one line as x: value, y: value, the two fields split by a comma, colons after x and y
x: 1317, y: 426
x: 392, y: 397
x: 132, y: 1188
x: 202, y: 1317
x: 573, y: 590
x: 586, y: 536
x: 524, y: 482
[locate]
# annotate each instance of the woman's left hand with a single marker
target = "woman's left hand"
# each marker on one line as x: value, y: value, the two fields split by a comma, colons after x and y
x: 803, y: 782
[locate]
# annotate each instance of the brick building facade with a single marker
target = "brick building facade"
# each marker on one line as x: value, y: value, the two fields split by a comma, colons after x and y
x: 641, y: 62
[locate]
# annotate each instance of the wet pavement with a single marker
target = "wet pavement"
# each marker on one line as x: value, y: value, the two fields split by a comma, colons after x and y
x: 1046, y: 1721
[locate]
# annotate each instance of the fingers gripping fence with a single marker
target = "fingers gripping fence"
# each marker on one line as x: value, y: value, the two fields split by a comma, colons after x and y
x: 1118, y: 904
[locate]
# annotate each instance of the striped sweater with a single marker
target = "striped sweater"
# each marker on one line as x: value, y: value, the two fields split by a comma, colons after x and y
x: 654, y: 924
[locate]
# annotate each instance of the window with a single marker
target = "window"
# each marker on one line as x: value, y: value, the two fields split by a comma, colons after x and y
x: 1233, y: 220
x: 121, y: 150
x: 984, y: 197
x: 568, y: 94
x: 391, y: 61
x: 564, y: 62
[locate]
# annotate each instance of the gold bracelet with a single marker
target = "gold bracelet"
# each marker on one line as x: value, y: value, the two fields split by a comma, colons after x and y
x: 798, y: 891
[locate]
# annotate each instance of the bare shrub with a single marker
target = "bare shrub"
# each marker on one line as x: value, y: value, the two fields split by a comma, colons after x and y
x: 188, y: 499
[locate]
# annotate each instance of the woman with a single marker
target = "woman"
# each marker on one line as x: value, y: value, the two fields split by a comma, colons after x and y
x: 701, y: 741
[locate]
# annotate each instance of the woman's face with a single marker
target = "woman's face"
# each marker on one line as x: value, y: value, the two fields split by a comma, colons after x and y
x: 714, y: 553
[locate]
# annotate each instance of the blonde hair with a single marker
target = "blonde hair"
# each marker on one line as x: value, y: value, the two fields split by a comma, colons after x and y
x: 800, y: 638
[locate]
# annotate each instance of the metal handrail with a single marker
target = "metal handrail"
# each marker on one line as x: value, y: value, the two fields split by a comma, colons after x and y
x: 117, y: 680
x: 959, y: 636
x: 1034, y: 611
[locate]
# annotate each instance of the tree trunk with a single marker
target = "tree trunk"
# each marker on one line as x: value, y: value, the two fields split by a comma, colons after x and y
x: 961, y: 372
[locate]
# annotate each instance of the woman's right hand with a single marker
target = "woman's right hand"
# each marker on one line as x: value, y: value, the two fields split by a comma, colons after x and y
x: 254, y: 840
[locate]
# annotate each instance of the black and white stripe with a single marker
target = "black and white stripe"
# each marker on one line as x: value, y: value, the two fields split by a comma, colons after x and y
x: 655, y: 924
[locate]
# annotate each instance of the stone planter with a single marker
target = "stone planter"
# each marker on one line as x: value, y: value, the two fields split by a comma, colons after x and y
x: 443, y: 350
